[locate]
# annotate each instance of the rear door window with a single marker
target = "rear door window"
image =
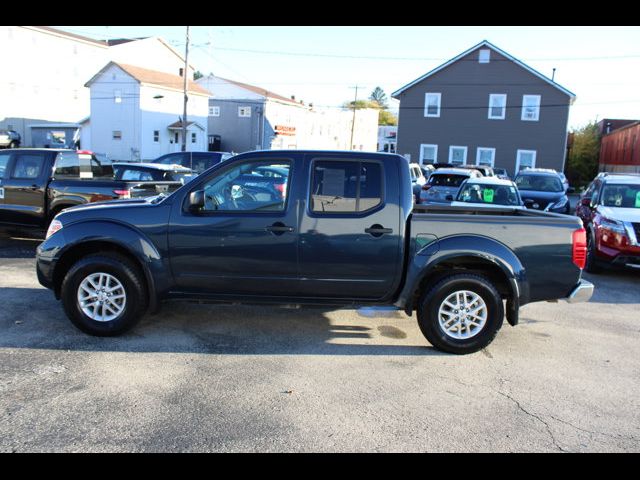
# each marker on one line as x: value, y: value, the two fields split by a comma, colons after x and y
x: 345, y: 186
x: 28, y: 166
x: 4, y: 161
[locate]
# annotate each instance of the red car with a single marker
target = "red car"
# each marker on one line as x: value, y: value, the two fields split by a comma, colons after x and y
x: 610, y: 212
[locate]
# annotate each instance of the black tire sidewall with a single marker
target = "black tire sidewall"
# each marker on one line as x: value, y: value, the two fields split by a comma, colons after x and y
x: 125, y: 273
x: 430, y: 304
x: 591, y: 265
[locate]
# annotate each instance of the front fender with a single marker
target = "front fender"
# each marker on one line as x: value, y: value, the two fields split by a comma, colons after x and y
x: 487, y: 250
x: 52, y: 252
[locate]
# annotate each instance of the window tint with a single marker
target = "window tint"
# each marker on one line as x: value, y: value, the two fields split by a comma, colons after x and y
x: 28, y: 166
x: 133, y: 175
x: 177, y: 159
x: 446, y: 179
x: 241, y: 188
x: 4, y: 160
x: 67, y: 165
x: 495, y: 194
x: 540, y: 183
x: 100, y: 167
x: 624, y: 196
x: 345, y: 187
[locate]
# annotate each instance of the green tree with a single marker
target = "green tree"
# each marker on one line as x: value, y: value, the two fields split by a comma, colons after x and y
x: 379, y: 97
x: 385, y: 117
x: 197, y: 74
x: 582, y: 163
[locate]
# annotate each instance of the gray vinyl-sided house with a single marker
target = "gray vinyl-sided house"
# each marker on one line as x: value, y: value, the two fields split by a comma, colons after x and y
x: 484, y: 107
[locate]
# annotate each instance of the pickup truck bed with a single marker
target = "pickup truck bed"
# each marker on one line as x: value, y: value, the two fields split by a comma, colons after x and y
x: 341, y: 230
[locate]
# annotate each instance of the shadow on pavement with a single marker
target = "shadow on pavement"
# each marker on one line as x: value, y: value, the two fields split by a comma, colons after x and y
x: 183, y: 327
x: 14, y: 245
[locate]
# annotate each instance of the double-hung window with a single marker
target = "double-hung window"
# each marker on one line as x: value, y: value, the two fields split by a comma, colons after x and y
x: 530, y: 108
x: 524, y: 159
x: 497, y: 106
x: 432, y: 104
x: 486, y: 156
x: 428, y: 153
x: 457, y: 155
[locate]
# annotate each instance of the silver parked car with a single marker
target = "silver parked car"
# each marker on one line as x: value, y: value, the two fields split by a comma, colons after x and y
x: 443, y: 184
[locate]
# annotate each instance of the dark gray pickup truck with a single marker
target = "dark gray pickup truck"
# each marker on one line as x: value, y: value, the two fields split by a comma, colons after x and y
x: 312, y: 228
x: 37, y: 183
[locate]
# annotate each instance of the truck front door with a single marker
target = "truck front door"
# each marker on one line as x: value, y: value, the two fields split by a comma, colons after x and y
x: 243, y: 241
x: 350, y: 233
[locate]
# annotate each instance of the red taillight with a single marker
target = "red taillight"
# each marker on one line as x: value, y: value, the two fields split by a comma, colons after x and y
x: 123, y: 193
x: 579, y: 255
x: 426, y: 186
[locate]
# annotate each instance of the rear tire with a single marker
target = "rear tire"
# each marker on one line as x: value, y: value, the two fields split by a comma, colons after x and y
x: 461, y: 314
x: 113, y: 294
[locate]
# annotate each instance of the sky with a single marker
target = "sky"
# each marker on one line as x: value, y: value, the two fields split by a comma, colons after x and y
x: 322, y: 65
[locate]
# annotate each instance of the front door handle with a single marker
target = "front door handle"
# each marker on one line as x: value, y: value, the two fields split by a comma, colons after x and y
x: 377, y: 230
x: 279, y: 228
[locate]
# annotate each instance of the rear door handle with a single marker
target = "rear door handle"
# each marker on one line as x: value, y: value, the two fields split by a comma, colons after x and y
x: 279, y: 228
x: 377, y: 230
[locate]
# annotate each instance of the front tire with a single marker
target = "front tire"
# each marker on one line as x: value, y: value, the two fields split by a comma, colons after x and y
x: 104, y: 294
x: 461, y: 314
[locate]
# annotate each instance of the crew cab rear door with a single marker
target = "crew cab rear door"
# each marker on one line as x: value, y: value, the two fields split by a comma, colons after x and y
x: 350, y: 231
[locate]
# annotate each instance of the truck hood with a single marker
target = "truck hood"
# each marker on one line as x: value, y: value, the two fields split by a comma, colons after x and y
x: 546, y: 197
x: 622, y: 214
x: 110, y: 204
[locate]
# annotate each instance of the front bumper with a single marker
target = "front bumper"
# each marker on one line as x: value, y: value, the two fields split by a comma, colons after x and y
x: 581, y: 292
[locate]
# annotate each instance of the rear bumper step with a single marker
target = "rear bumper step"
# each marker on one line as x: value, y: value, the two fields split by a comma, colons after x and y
x: 581, y: 293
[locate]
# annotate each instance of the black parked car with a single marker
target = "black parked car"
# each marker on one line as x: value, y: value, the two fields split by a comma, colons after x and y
x: 543, y: 191
x: 153, y: 178
x: 196, y: 161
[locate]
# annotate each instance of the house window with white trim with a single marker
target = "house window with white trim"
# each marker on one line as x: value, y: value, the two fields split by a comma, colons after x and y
x: 484, y: 55
x: 525, y: 159
x: 193, y: 137
x: 457, y: 155
x: 486, y: 156
x: 244, y: 111
x: 116, y: 135
x: 497, y: 106
x: 156, y: 136
x: 530, y: 108
x: 428, y: 153
x: 214, y: 111
x: 432, y: 104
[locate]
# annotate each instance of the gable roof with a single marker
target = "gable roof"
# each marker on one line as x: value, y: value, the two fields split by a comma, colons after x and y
x: 262, y: 91
x: 153, y: 77
x: 485, y: 43
x: 62, y: 33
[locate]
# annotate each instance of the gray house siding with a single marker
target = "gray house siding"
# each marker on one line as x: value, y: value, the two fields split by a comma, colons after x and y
x: 237, y: 134
x: 465, y: 86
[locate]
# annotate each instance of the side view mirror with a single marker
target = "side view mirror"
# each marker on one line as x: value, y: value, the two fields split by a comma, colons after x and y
x: 449, y: 198
x: 196, y: 200
x: 571, y: 190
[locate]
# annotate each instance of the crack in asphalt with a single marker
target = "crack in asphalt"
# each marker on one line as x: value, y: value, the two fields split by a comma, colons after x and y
x: 533, y: 415
x: 610, y: 435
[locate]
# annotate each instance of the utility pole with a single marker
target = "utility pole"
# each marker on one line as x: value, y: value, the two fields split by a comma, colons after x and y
x: 353, y: 122
x: 185, y: 74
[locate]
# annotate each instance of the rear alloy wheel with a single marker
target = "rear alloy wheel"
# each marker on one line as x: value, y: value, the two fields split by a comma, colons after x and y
x: 461, y: 314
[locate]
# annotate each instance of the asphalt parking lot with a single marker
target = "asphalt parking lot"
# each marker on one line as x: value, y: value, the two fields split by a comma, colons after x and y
x: 212, y: 378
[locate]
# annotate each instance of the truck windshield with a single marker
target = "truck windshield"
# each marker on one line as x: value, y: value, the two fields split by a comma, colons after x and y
x: 539, y: 183
x: 625, y: 196
x: 446, y: 179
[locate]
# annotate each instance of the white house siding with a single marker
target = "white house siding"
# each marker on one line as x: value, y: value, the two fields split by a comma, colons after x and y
x: 158, y: 114
x: 286, y: 115
x: 108, y: 116
x: 221, y: 89
x: 151, y: 53
x: 43, y: 75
